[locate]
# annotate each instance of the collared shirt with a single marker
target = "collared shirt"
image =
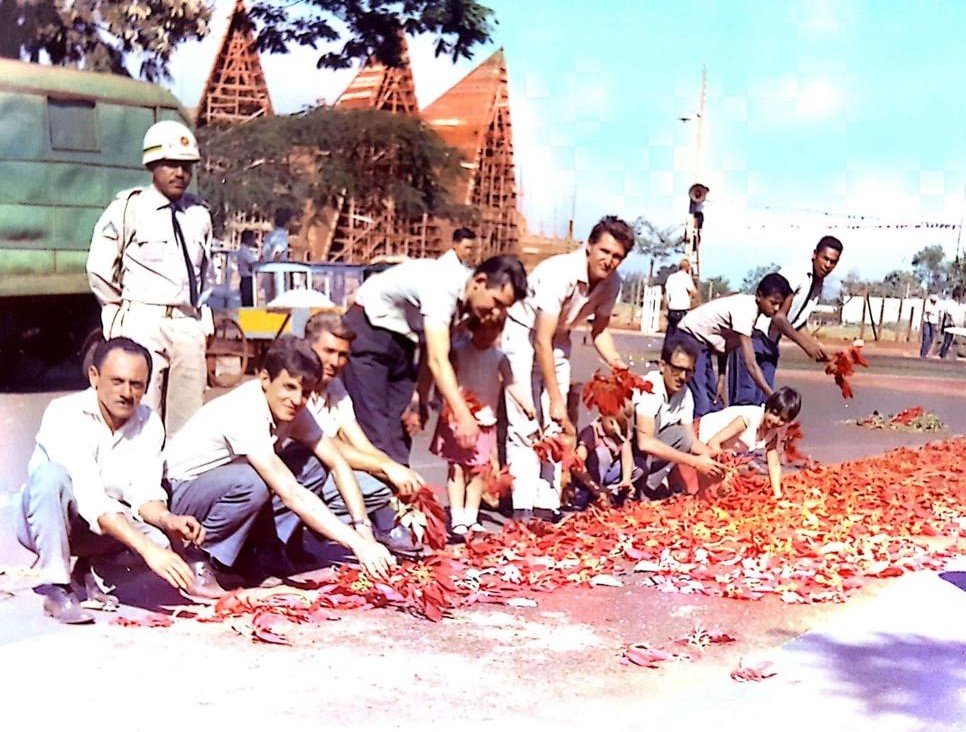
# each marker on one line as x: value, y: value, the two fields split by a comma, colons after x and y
x: 111, y: 472
x: 719, y: 323
x: 275, y: 247
x: 332, y: 408
x: 412, y: 295
x: 747, y: 440
x: 664, y: 410
x: 136, y: 256
x: 231, y: 427
x: 804, y: 299
x: 679, y: 287
x: 246, y: 257
x: 560, y: 286
x: 930, y: 310
x: 452, y: 260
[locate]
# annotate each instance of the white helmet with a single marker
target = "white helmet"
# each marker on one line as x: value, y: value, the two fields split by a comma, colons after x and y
x: 169, y: 140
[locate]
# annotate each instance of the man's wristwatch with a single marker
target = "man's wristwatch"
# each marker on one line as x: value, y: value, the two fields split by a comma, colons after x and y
x: 356, y: 523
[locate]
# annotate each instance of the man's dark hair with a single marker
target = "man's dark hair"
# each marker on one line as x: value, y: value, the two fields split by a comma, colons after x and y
x: 283, y: 216
x: 677, y: 344
x: 327, y: 323
x: 774, y: 284
x: 462, y: 233
x: 505, y: 269
x: 121, y: 343
x: 828, y: 242
x: 248, y: 237
x: 785, y: 402
x: 296, y: 356
x: 618, y: 228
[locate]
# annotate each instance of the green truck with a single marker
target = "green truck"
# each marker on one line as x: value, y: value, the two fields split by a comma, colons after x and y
x: 70, y: 140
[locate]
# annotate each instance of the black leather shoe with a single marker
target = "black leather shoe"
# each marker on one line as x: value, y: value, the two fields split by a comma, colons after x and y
x: 399, y: 541
x: 62, y: 605
x: 550, y: 515
x: 263, y: 567
x: 95, y: 590
x: 205, y: 586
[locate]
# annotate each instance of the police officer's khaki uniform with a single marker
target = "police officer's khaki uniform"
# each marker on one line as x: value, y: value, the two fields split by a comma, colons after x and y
x: 138, y: 270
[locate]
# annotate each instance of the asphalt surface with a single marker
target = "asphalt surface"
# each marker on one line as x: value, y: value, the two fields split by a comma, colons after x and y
x: 892, y: 658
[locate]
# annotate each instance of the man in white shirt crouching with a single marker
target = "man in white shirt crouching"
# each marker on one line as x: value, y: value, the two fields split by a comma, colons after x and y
x: 95, y: 487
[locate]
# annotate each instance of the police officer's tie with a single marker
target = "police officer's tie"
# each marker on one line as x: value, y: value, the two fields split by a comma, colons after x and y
x: 179, y: 235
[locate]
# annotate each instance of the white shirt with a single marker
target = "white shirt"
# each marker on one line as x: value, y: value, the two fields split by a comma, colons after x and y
x: 411, y: 295
x: 679, y: 287
x: 930, y: 310
x: 804, y: 299
x: 719, y: 323
x: 332, y: 409
x: 111, y: 472
x: 136, y: 230
x: 228, y: 428
x: 559, y: 286
x: 665, y: 411
x: 452, y: 260
x: 747, y: 441
x: 954, y: 314
x: 275, y: 246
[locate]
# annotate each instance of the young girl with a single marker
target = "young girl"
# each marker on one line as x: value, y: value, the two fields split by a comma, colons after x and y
x: 482, y: 370
x: 605, y: 447
x: 749, y: 428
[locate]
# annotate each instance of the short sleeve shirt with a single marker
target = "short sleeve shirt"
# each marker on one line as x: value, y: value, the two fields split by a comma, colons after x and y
x: 333, y: 410
x: 110, y: 472
x: 414, y: 294
x: 560, y: 286
x: 679, y: 287
x: 711, y: 424
x: 664, y: 410
x: 804, y: 299
x: 227, y: 429
x: 719, y: 323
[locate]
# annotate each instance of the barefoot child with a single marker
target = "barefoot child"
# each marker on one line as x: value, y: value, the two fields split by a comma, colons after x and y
x: 482, y: 370
x: 748, y: 428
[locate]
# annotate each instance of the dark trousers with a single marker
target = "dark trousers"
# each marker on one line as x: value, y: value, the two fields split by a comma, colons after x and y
x: 947, y: 344
x: 928, y: 335
x: 742, y: 389
x: 655, y: 471
x: 245, y: 287
x: 381, y: 377
x: 704, y: 384
x: 673, y: 318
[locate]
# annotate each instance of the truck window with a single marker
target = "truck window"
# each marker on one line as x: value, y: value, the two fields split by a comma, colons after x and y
x: 73, y: 124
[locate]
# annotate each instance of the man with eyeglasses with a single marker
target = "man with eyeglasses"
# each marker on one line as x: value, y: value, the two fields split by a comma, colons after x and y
x: 664, y: 434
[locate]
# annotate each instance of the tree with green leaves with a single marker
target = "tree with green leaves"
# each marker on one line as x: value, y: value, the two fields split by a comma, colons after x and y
x: 930, y: 267
x: 713, y: 287
x: 750, y: 283
x: 656, y: 243
x: 111, y: 35
x: 325, y: 154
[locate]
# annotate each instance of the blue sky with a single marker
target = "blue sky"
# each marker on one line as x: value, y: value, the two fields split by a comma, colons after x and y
x: 816, y: 113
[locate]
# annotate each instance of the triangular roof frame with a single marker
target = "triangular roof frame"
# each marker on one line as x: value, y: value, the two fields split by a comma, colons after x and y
x: 235, y: 90
x: 378, y: 86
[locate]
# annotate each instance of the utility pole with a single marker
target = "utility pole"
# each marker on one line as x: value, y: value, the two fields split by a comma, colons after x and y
x: 698, y: 191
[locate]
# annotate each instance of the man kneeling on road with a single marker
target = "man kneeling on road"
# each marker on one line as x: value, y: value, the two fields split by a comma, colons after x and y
x: 664, y: 430
x: 95, y: 487
x: 376, y: 472
x: 226, y: 467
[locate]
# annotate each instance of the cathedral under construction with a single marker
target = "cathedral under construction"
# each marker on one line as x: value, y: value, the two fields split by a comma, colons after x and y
x: 473, y: 117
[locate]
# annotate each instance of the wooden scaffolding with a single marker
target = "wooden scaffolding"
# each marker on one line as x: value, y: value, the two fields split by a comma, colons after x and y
x: 235, y: 90
x: 474, y: 117
x: 360, y: 231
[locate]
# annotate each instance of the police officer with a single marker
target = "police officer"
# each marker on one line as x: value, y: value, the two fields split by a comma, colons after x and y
x: 148, y: 266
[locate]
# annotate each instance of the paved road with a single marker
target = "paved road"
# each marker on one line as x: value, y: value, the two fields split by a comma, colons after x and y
x: 892, y: 658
